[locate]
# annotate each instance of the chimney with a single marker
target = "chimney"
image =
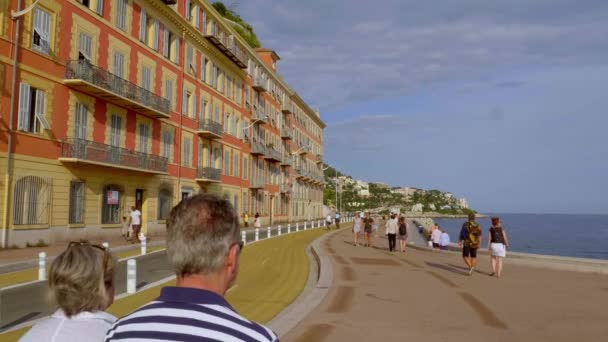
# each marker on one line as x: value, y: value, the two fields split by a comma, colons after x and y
x: 269, y: 57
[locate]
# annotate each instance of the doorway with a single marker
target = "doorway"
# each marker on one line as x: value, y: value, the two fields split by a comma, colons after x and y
x: 139, y: 198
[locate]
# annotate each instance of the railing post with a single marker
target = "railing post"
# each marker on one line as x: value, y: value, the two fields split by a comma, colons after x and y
x: 297, y: 227
x: 131, y: 276
x: 257, y: 234
x: 279, y: 229
x: 106, y: 245
x: 269, y: 235
x: 244, y: 237
x: 289, y: 228
x: 144, y: 246
x: 42, y: 266
x: 304, y: 225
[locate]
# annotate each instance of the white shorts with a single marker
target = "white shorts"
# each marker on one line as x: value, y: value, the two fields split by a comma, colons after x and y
x: 498, y: 249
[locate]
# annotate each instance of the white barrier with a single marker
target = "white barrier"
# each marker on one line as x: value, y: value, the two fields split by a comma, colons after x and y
x: 289, y: 228
x: 42, y: 266
x: 269, y: 235
x: 144, y: 246
x: 304, y: 225
x: 297, y: 227
x: 257, y: 234
x: 279, y: 228
x: 131, y: 276
x: 106, y: 245
x: 244, y: 237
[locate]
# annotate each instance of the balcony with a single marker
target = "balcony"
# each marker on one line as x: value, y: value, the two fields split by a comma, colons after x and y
x: 209, y: 128
x: 286, y: 133
x: 208, y: 175
x: 259, y: 116
x: 273, y: 155
x: 286, y: 107
x: 286, y: 160
x: 260, y: 84
x: 225, y: 43
x: 80, y: 151
x: 319, y: 159
x: 258, y: 149
x: 90, y: 79
x: 285, y: 188
x: 304, y: 150
x: 257, y: 183
x: 299, y: 172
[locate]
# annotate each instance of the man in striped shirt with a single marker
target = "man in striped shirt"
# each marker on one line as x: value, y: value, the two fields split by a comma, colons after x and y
x: 203, y: 244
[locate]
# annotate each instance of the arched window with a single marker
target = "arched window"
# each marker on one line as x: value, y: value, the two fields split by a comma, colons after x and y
x: 165, y: 203
x: 111, y: 204
x: 31, y: 200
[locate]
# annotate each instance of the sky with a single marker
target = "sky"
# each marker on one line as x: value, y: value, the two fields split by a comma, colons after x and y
x: 501, y: 102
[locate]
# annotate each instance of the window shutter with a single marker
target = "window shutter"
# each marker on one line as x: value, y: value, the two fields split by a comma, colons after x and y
x: 203, y: 68
x: 85, y: 42
x: 24, y: 107
x: 188, y: 8
x: 197, y: 16
x: 204, y: 28
x: 119, y: 64
x: 169, y: 90
x: 184, y: 102
x: 99, y: 8
x: 202, y: 109
x: 156, y: 30
x: 177, y: 49
x: 166, y: 43
x: 40, y: 108
x: 142, y: 26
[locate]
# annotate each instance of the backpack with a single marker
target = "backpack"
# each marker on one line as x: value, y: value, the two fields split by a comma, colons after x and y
x: 403, y: 229
x: 474, y: 235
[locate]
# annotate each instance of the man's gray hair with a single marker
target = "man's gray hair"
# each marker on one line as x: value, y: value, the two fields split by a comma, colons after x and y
x: 200, y: 231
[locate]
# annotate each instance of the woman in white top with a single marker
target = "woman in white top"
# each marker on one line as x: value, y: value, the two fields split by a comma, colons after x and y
x: 357, y: 228
x: 81, y: 286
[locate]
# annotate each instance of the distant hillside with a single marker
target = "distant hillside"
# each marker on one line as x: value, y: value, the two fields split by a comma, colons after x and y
x: 243, y: 28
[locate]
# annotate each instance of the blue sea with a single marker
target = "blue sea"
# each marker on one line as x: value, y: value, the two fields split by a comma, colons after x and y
x: 583, y: 236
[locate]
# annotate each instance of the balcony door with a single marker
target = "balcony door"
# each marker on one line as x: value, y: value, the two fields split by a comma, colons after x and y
x: 139, y: 198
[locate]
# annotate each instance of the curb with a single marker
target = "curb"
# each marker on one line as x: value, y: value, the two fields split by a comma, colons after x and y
x: 312, y: 295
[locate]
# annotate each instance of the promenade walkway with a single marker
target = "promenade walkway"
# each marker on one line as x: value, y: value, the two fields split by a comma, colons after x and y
x: 427, y: 296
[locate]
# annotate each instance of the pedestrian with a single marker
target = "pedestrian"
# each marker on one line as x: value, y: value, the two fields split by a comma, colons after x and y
x: 402, y: 234
x: 497, y: 246
x: 444, y: 242
x: 470, y: 241
x: 135, y: 223
x: 328, y: 221
x: 257, y: 223
x: 375, y: 225
x: 126, y: 229
x: 203, y: 246
x: 246, y: 219
x: 436, y: 237
x: 392, y: 227
x: 81, y: 287
x: 338, y: 217
x: 357, y: 228
x: 368, y: 222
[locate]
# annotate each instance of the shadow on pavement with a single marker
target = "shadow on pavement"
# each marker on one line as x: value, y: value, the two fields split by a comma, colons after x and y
x: 449, y: 268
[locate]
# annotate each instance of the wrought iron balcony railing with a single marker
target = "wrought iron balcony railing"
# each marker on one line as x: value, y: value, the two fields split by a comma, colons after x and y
x: 93, y: 80
x: 89, y: 152
x: 210, y: 128
x: 286, y: 160
x: 226, y: 44
x: 208, y: 174
x: 257, y: 183
x: 258, y: 149
x: 259, y: 116
x: 286, y: 107
x: 286, y: 133
x: 260, y: 84
x: 273, y: 154
x: 285, y: 188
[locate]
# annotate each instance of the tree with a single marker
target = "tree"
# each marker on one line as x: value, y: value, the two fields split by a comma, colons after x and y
x: 240, y: 26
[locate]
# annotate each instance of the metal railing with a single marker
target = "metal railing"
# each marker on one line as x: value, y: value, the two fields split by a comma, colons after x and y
x: 259, y: 115
x: 285, y: 188
x: 286, y: 132
x: 257, y: 183
x: 86, y: 71
x: 257, y: 148
x: 286, y: 160
x: 286, y: 107
x: 210, y: 125
x: 271, y: 153
x: 102, y: 153
x: 260, y: 83
x: 210, y: 173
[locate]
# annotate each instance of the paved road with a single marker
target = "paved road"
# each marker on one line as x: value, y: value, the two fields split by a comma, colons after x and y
x: 27, y: 302
x: 427, y: 296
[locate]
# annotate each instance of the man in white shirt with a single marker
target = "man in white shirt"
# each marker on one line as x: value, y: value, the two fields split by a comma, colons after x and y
x: 436, y: 237
x: 444, y: 242
x: 135, y: 222
x: 328, y: 221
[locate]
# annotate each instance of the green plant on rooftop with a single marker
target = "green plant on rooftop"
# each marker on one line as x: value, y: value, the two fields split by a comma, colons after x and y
x: 240, y: 26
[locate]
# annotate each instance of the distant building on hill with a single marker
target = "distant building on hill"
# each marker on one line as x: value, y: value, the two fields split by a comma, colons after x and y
x: 462, y: 203
x: 417, y: 207
x: 407, y: 192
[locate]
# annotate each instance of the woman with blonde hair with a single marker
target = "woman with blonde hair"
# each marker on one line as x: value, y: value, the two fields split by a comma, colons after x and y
x: 81, y: 286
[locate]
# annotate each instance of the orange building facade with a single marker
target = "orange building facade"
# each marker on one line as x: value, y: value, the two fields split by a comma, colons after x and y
x: 142, y: 103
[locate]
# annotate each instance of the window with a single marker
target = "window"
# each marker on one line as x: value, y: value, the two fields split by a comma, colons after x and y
x: 41, y: 30
x: 186, y: 104
x: 169, y: 91
x: 227, y: 162
x: 203, y: 109
x: 237, y: 168
x: 167, y: 144
x: 99, y: 8
x: 119, y: 64
x: 229, y: 87
x: 31, y: 200
x: 167, y: 44
x: 145, y: 77
x: 197, y: 16
x: 245, y: 168
x: 143, y: 26
x: 80, y: 126
x: 111, y: 203
x: 226, y: 122
x: 238, y: 92
x: 204, y: 26
x: 235, y: 203
x: 121, y: 14
x: 233, y: 125
x: 187, y: 150
x: 204, y: 62
x: 190, y: 59
x: 165, y: 199
x: 155, y: 34
x: 84, y: 46
x: 144, y: 136
x: 77, y: 202
x: 188, y: 10
x: 32, y: 108
x: 115, y: 130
